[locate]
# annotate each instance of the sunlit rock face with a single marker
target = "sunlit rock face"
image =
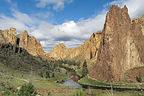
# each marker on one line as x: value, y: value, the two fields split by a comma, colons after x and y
x: 121, y: 48
x: 8, y: 36
x: 22, y: 40
x: 59, y: 51
x: 139, y: 21
x: 30, y: 44
x: 86, y: 51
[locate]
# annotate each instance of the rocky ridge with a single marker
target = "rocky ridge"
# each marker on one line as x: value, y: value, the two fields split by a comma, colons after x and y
x: 22, y: 40
x: 139, y: 21
x: 84, y: 52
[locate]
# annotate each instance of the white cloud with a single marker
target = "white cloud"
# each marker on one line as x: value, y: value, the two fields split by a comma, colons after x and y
x: 49, y: 44
x: 70, y: 30
x: 45, y: 15
x: 12, y: 4
x: 9, y: 1
x: 22, y: 17
x: 57, y: 4
x: 7, y: 22
x: 71, y: 33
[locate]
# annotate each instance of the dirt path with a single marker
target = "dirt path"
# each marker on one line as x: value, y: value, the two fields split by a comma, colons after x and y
x: 21, y: 79
x: 15, y: 78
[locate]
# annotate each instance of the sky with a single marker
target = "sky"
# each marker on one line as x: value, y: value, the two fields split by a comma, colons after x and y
x: 61, y: 21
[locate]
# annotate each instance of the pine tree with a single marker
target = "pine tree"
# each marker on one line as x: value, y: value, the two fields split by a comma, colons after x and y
x: 47, y: 74
x: 84, y: 69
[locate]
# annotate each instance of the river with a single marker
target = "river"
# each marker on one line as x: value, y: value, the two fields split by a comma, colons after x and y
x: 72, y: 83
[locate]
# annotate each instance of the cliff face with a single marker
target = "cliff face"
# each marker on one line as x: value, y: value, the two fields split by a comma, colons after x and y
x: 59, y: 52
x: 22, y: 40
x: 30, y: 44
x: 121, y: 46
x: 139, y: 21
x: 86, y: 51
x: 8, y: 36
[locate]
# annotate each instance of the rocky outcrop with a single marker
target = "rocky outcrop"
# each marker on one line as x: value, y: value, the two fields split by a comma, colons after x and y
x: 8, y: 36
x: 30, y: 44
x: 59, y: 52
x: 121, y: 47
x: 86, y: 51
x: 22, y: 40
x: 139, y: 21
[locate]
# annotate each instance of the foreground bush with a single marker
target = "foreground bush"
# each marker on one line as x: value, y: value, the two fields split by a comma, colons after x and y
x: 27, y: 90
x: 7, y: 90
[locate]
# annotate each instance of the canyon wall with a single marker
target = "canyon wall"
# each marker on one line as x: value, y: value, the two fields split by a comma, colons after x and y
x: 121, y: 48
x: 86, y: 51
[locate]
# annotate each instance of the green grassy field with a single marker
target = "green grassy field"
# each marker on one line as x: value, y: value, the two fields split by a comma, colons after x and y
x: 49, y: 86
x: 88, y: 81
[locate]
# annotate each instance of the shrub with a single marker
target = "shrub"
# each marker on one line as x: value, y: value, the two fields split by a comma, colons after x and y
x: 7, y: 90
x: 139, y: 78
x: 27, y: 90
x: 47, y: 74
x: 49, y: 94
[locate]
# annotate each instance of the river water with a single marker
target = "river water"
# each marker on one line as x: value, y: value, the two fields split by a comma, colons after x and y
x: 72, y: 83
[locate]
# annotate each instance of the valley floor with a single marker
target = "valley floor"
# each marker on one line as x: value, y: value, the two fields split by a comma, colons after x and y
x: 49, y: 86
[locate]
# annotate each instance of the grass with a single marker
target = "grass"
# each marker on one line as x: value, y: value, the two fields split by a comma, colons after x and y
x: 87, y: 81
x: 45, y: 86
x: 137, y: 67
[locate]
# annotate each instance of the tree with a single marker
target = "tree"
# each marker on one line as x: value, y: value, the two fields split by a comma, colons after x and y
x: 84, y: 69
x: 47, y: 74
x: 53, y: 75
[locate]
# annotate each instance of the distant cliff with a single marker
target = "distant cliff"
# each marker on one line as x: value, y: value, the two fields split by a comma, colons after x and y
x: 86, y: 51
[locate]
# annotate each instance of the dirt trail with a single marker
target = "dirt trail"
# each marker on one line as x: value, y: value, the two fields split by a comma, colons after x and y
x: 27, y: 81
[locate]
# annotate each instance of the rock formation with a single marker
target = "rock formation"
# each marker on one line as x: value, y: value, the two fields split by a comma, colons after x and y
x: 121, y: 47
x: 22, y: 40
x: 140, y: 21
x: 30, y: 44
x: 59, y: 52
x: 8, y: 36
x: 86, y: 51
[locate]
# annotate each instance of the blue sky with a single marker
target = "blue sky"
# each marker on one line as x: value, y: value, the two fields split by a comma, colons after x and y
x: 61, y: 21
x: 74, y: 10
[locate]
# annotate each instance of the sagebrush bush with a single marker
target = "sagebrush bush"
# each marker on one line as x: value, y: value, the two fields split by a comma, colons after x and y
x: 27, y: 90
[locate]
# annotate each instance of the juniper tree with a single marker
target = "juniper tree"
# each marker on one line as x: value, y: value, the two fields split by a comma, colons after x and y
x: 84, y: 69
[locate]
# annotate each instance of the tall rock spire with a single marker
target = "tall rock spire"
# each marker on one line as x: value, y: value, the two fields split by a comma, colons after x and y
x: 120, y: 47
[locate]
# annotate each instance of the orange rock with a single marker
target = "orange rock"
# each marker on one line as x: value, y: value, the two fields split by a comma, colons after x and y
x: 121, y: 47
x: 23, y: 40
x: 86, y: 51
x: 8, y: 36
